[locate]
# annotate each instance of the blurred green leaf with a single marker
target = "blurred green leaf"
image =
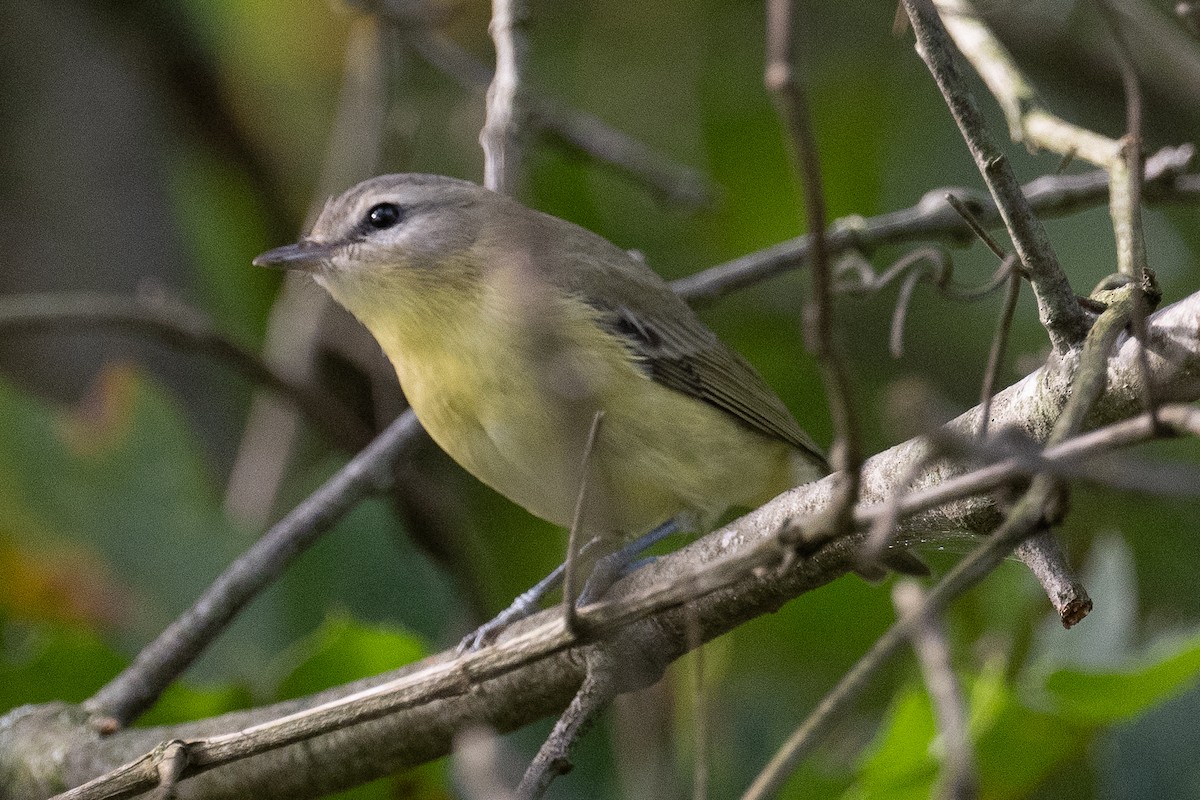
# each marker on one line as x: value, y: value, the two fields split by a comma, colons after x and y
x: 1100, y: 698
x: 224, y: 227
x: 126, y: 449
x: 344, y: 650
x: 182, y: 702
x: 1015, y: 747
x: 115, y: 499
x: 44, y: 662
x: 900, y: 763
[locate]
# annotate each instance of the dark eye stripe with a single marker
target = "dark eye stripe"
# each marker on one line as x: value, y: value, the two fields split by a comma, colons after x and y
x: 383, y: 215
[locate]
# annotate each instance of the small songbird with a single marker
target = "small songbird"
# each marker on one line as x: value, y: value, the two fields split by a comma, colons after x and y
x: 510, y: 329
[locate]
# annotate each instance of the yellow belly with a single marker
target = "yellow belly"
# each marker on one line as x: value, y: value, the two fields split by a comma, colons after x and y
x: 657, y: 453
x: 513, y: 406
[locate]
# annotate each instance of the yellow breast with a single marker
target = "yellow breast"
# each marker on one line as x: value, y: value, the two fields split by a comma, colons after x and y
x: 510, y: 395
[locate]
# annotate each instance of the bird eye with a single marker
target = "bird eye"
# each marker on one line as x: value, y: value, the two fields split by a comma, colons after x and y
x: 384, y: 215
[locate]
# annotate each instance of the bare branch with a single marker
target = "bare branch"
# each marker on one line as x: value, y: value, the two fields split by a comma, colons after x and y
x: 792, y: 106
x: 1060, y: 314
x: 164, y: 659
x: 554, y: 756
x: 1046, y: 560
x: 999, y: 345
x: 178, y: 325
x: 933, y: 218
x: 584, y: 132
x: 1126, y: 193
x: 960, y: 780
x: 503, y: 133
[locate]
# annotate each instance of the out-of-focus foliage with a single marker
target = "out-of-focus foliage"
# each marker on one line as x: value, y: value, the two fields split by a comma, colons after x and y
x: 343, y: 651
x: 1022, y: 732
x: 165, y: 144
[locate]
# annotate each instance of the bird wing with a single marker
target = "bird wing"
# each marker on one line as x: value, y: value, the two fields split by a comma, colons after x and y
x: 688, y: 357
x: 675, y: 348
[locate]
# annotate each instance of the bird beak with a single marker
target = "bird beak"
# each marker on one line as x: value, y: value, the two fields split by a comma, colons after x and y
x: 305, y: 255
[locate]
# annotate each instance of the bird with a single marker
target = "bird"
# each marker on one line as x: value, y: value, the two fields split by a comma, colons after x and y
x: 538, y: 354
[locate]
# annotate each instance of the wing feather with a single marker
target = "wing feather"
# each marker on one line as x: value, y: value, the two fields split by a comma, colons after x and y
x: 674, y: 347
x: 691, y: 359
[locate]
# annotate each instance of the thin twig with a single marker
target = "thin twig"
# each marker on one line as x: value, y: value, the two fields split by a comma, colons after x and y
x: 1126, y: 194
x: 504, y: 130
x: 554, y: 756
x: 999, y: 346
x: 295, y: 322
x: 976, y: 227
x: 585, y: 133
x: 960, y: 781
x: 992, y: 476
x: 1089, y: 379
x: 933, y: 218
x: 1044, y: 557
x: 900, y: 314
x: 792, y: 106
x: 178, y: 325
x: 163, y: 660
x: 923, y: 263
x: 571, y: 586
x: 1058, y: 310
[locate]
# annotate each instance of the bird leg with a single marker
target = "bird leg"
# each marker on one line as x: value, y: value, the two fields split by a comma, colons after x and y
x: 612, y: 567
x: 607, y: 571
